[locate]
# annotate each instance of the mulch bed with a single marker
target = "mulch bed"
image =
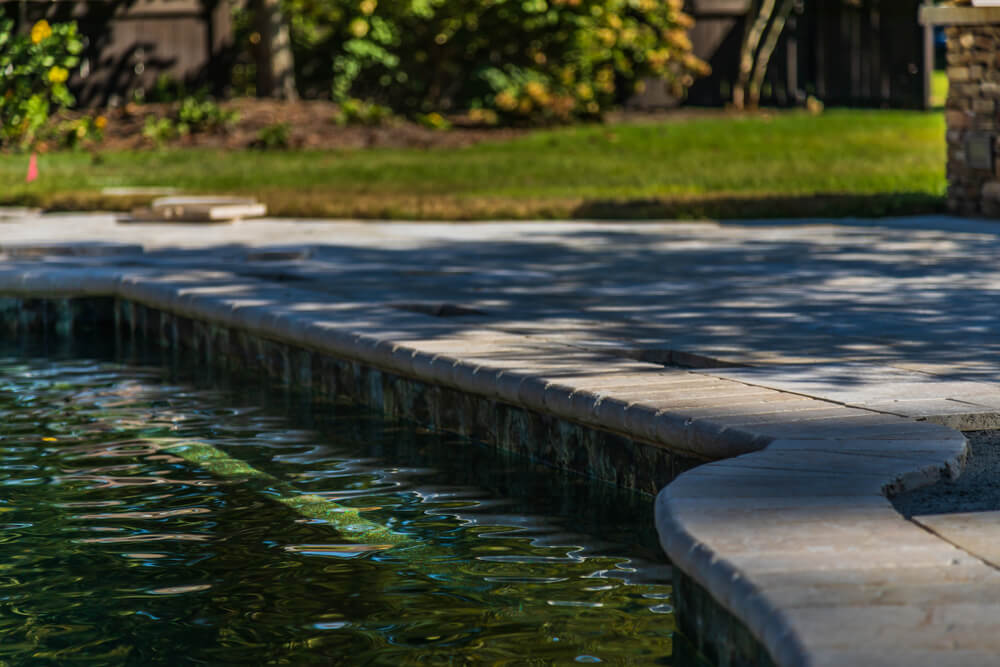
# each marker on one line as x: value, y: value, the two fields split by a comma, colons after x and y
x: 311, y: 125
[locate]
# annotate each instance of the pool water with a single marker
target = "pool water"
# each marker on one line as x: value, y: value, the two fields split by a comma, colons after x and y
x: 118, y: 549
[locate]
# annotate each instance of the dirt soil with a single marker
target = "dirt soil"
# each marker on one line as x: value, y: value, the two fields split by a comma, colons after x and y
x: 976, y: 490
x: 311, y: 126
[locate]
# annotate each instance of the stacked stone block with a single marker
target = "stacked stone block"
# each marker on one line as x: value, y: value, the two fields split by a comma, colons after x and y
x: 973, y: 119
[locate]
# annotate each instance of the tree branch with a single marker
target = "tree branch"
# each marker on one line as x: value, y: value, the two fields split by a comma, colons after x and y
x: 767, y: 50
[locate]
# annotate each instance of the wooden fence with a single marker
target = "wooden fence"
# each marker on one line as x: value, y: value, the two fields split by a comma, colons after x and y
x: 131, y: 43
x: 867, y: 53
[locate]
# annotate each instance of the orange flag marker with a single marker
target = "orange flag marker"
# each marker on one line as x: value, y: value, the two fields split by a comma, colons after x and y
x: 32, y: 169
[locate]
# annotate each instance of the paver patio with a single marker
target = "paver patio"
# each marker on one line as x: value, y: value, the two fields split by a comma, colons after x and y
x: 848, y: 351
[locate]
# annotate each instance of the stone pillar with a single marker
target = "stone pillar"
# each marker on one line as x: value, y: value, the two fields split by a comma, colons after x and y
x: 972, y: 112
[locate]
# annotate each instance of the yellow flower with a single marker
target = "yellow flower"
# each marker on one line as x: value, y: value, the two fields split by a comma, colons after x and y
x: 606, y: 36
x: 100, y: 122
x: 39, y: 31
x: 368, y: 7
x: 358, y: 28
x: 506, y: 100
x: 537, y: 92
x: 58, y: 74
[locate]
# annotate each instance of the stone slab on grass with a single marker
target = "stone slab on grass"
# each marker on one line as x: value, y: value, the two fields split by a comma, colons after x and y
x: 198, y: 209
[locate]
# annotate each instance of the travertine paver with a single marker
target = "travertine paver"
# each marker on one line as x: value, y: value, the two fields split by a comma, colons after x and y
x: 908, y: 300
x: 836, y: 337
x: 976, y: 532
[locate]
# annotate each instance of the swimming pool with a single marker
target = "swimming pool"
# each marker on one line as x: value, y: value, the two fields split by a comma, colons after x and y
x: 122, y: 545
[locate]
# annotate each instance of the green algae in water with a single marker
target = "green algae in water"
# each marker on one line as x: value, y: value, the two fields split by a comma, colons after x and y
x: 148, y: 520
x: 345, y: 520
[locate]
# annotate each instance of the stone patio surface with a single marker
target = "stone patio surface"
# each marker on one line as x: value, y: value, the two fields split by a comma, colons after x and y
x: 833, y: 361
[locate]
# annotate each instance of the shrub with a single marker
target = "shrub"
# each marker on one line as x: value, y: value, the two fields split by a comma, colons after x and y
x: 193, y: 115
x: 87, y: 131
x: 203, y: 115
x: 523, y: 59
x: 159, y: 130
x: 273, y: 137
x: 359, y: 112
x: 433, y: 121
x: 34, y: 68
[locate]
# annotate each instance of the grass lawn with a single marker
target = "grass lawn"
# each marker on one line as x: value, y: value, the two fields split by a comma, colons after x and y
x: 939, y: 88
x: 778, y: 164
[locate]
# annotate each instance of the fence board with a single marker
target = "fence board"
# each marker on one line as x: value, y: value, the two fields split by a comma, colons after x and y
x: 867, y: 53
x: 129, y: 45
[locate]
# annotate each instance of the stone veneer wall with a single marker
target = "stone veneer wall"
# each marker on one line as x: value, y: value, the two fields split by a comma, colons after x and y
x: 973, y: 115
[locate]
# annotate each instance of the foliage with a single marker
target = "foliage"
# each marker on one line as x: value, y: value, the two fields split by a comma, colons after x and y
x: 203, y: 115
x: 273, y: 137
x: 433, y: 121
x: 79, y: 132
x: 358, y: 112
x: 524, y: 59
x: 159, y: 130
x: 34, y: 68
x: 192, y: 115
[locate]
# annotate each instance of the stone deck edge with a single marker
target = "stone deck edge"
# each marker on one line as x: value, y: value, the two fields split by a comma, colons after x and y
x: 711, y: 519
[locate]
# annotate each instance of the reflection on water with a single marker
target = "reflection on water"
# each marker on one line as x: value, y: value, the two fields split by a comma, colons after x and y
x: 117, y: 551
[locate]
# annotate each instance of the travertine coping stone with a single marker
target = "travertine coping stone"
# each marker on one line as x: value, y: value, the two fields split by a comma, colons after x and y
x: 779, y: 537
x: 976, y: 532
x: 540, y: 375
x: 803, y: 495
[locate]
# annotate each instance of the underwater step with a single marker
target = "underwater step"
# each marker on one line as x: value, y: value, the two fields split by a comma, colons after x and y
x: 346, y: 520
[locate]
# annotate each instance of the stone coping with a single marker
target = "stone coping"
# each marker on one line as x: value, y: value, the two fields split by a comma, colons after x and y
x: 792, y: 533
x: 799, y: 542
x: 789, y: 530
x: 959, y: 15
x: 692, y: 412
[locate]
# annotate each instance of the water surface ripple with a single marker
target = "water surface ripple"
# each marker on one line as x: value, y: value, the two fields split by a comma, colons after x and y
x: 116, y: 551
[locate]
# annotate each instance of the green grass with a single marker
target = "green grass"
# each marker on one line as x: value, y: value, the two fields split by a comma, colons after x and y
x: 839, y: 163
x: 939, y: 88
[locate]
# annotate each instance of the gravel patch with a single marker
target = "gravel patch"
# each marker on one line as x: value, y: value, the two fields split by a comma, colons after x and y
x: 976, y: 490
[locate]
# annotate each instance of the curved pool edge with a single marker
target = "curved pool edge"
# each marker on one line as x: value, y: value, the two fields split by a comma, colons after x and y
x: 799, y: 545
x: 723, y: 524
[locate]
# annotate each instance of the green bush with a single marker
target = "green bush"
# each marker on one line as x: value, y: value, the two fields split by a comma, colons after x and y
x: 275, y: 136
x: 523, y: 59
x: 34, y: 68
x: 192, y: 115
x: 159, y: 130
x: 87, y: 131
x: 203, y: 115
x: 433, y: 121
x: 359, y: 112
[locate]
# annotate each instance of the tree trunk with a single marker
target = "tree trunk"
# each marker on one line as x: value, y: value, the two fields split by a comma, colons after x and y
x: 757, y: 20
x: 767, y: 50
x: 275, y: 63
